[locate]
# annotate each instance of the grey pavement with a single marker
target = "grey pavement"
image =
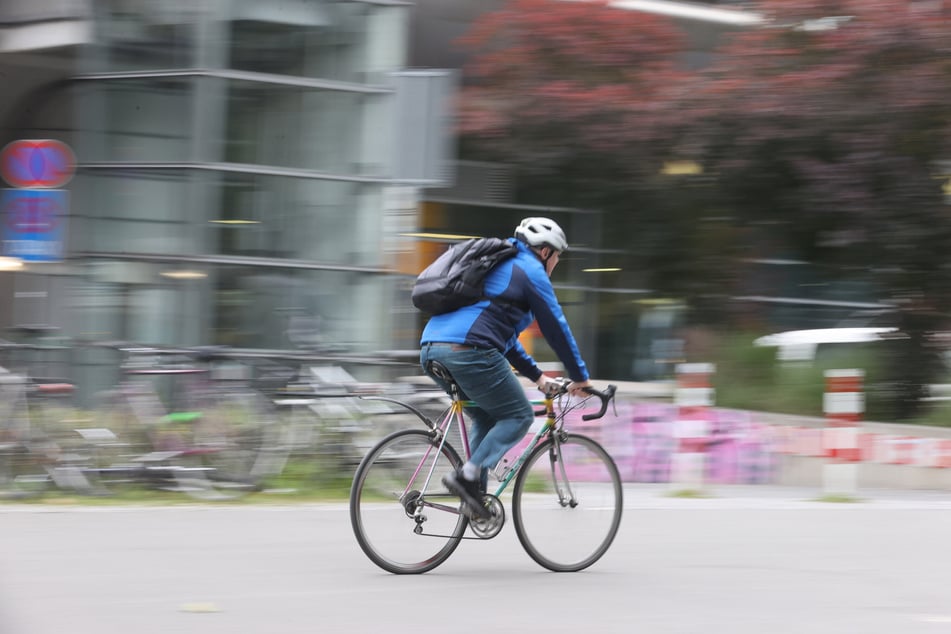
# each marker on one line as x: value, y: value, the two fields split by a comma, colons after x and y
x: 750, y: 559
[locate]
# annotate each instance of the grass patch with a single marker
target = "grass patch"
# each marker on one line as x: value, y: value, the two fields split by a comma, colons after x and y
x: 131, y: 496
x: 309, y: 478
x: 690, y: 494
x: 838, y: 499
x: 752, y: 378
x: 536, y: 483
x: 304, y: 479
x: 938, y: 416
x: 151, y: 497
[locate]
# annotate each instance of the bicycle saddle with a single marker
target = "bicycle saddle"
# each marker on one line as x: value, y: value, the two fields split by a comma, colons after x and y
x: 440, y: 371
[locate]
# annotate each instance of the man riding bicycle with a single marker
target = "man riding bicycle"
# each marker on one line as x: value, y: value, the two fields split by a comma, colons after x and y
x: 479, y: 345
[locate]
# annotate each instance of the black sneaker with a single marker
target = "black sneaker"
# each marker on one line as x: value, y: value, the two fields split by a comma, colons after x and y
x: 470, y: 491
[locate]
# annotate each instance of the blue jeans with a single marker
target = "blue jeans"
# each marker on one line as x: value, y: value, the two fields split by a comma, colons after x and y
x: 503, y: 413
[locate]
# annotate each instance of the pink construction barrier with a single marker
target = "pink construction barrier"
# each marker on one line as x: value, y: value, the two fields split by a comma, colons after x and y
x: 740, y: 450
x: 652, y: 432
x: 641, y: 440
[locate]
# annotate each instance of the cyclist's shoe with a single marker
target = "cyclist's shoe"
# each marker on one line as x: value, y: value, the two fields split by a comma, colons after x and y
x: 470, y: 491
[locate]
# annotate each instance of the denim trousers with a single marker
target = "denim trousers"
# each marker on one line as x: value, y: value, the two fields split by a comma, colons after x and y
x: 502, y: 414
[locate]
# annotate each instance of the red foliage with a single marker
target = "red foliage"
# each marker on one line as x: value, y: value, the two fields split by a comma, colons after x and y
x: 590, y: 74
x: 820, y: 130
x: 835, y: 58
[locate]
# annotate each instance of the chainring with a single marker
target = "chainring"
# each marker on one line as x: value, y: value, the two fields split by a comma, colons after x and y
x: 489, y: 527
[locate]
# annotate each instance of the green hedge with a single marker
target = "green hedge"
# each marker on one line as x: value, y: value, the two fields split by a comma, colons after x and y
x: 751, y: 377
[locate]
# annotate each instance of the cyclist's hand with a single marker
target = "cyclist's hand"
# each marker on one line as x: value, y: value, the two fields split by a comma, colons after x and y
x: 576, y: 388
x: 547, y: 384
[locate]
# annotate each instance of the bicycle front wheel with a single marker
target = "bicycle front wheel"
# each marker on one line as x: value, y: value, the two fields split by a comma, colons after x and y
x: 402, y: 516
x: 567, y: 503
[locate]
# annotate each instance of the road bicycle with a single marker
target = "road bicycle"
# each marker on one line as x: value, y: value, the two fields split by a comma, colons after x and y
x: 566, y: 501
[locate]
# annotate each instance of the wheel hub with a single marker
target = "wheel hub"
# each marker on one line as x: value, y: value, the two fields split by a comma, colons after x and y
x: 410, y: 503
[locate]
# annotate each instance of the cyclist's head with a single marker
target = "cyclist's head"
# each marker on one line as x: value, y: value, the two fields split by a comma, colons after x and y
x: 541, y: 232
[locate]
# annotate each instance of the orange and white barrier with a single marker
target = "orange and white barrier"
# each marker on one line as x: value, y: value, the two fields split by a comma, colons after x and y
x: 694, y: 398
x: 843, y: 405
x: 887, y: 449
x: 844, y: 400
x: 844, y: 445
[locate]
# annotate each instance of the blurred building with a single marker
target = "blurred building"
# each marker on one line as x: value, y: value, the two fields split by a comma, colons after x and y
x: 272, y: 173
x: 245, y: 167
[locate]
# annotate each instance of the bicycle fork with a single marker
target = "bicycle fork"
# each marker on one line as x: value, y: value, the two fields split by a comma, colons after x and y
x: 559, y: 474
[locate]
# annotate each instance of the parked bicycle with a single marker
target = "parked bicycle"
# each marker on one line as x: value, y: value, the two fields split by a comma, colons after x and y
x: 40, y: 442
x: 331, y: 426
x: 185, y: 419
x: 566, y: 502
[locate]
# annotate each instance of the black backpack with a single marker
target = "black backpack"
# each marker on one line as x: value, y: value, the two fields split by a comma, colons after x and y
x: 456, y: 277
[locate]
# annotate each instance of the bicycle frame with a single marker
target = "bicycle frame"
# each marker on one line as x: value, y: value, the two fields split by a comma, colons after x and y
x: 550, y: 421
x: 455, y: 414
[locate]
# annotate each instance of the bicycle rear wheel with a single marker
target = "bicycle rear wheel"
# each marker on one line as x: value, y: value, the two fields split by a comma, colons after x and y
x: 404, y: 520
x: 567, y: 503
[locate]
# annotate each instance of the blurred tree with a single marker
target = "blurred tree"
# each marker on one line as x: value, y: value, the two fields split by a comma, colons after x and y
x: 831, y: 125
x: 818, y: 136
x: 582, y: 99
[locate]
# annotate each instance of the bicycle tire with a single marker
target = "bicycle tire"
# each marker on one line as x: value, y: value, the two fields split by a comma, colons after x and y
x: 57, y: 434
x: 241, y: 441
x: 24, y: 459
x: 567, y: 535
x: 39, y: 449
x: 388, y: 477
x: 113, y: 443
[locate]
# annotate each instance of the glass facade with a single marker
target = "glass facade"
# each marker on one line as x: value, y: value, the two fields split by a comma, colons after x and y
x: 249, y: 174
x: 235, y: 159
x: 136, y: 35
x: 301, y: 127
x: 341, y: 41
x: 127, y: 120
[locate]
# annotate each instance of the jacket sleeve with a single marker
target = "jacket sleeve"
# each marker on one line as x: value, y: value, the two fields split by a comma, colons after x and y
x: 521, y: 361
x: 553, y: 325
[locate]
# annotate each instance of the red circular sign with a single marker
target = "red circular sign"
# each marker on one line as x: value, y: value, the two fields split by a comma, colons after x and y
x: 37, y: 163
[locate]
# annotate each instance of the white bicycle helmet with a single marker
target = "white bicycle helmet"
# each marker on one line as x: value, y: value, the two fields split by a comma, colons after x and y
x: 540, y: 232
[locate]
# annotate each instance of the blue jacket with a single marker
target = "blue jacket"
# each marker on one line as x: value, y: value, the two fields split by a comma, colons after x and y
x: 526, y: 294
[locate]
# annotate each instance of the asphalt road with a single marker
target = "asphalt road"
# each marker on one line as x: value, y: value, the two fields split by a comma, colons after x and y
x: 749, y: 560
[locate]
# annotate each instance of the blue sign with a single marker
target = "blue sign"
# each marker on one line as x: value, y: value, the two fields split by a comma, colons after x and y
x: 34, y: 223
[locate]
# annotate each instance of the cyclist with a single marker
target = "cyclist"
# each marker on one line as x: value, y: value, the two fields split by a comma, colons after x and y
x: 479, y: 345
